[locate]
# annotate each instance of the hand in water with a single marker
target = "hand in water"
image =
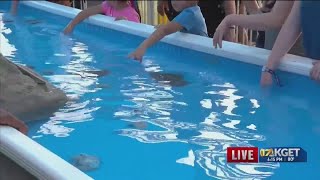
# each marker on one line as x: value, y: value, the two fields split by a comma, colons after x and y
x: 120, y: 18
x: 8, y: 119
x: 315, y: 71
x: 68, y: 29
x: 266, y: 79
x: 137, y: 54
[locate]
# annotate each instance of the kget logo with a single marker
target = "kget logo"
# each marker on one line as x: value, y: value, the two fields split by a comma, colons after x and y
x: 283, y: 154
x: 274, y: 154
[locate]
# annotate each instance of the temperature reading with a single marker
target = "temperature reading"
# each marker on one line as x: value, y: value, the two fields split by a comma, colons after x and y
x: 290, y: 158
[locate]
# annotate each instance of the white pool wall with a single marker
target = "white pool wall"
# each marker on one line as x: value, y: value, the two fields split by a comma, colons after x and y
x: 37, y: 160
x: 248, y: 54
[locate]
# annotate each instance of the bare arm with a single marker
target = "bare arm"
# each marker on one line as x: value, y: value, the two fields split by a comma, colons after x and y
x: 82, y: 16
x: 287, y: 37
x: 160, y: 33
x: 229, y: 7
x: 86, y: 13
x: 162, y: 7
x: 274, y: 19
x: 252, y: 6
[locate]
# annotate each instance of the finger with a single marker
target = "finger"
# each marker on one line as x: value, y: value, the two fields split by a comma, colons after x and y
x: 220, y: 36
x: 214, y: 43
x: 311, y: 72
x: 314, y: 73
x: 317, y: 74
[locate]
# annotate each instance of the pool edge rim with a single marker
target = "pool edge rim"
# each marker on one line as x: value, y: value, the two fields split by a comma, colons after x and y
x: 234, y: 51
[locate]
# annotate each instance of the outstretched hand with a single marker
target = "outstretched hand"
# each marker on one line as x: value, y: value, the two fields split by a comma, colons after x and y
x: 137, y: 54
x: 266, y: 79
x: 68, y: 29
x: 218, y: 35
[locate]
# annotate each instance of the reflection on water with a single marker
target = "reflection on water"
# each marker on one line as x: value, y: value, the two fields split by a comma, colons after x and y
x: 154, y: 103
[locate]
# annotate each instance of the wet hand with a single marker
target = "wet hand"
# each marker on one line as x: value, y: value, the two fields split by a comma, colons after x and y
x: 120, y: 18
x: 137, y: 54
x: 68, y: 29
x: 315, y: 71
x: 266, y: 79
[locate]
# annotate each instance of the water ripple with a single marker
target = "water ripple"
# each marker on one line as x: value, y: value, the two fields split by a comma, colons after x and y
x: 215, y: 133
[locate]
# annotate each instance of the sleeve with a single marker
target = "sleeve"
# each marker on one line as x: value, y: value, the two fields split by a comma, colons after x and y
x: 133, y: 16
x: 186, y: 19
x: 105, y: 7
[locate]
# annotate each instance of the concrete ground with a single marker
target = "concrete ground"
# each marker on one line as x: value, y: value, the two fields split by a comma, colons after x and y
x: 9, y: 170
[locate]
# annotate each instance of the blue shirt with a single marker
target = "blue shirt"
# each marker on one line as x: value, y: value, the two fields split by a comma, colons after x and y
x: 310, y: 17
x: 192, y: 20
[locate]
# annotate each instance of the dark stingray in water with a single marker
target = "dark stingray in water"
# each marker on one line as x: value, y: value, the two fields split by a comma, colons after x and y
x: 48, y: 73
x: 86, y: 162
x: 33, y: 21
x: 99, y: 73
x: 103, y: 86
x: 175, y: 80
x: 138, y: 125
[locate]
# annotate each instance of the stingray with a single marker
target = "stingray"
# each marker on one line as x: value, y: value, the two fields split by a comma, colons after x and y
x: 99, y: 73
x: 33, y: 21
x: 86, y: 162
x: 175, y: 80
x: 48, y: 73
x: 138, y: 125
x: 102, y: 86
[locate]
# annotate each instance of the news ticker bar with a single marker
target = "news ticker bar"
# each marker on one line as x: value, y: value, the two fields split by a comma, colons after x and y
x: 270, y: 154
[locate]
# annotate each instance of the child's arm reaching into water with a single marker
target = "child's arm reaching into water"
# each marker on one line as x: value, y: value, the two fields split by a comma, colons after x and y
x: 160, y: 33
x: 82, y: 16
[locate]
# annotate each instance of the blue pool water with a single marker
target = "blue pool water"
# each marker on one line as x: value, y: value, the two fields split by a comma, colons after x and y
x: 184, y: 125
